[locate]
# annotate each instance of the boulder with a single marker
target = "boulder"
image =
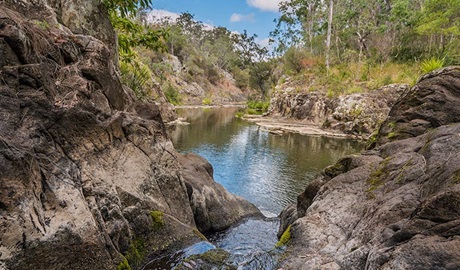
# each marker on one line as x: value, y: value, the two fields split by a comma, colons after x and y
x: 214, y: 209
x: 431, y: 103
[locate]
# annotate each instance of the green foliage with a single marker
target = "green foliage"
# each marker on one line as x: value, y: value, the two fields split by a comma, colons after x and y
x: 431, y: 64
x: 157, y: 218
x: 134, y: 255
x: 137, y: 76
x: 403, y: 30
x: 124, y: 265
x: 171, y: 93
x: 285, y: 237
x: 207, y: 101
x: 126, y: 8
x: 258, y: 105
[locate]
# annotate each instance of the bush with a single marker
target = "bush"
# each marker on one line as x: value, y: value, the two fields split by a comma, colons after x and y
x: 258, y: 105
x: 207, y: 101
x: 431, y: 64
x: 137, y: 76
x: 172, y: 94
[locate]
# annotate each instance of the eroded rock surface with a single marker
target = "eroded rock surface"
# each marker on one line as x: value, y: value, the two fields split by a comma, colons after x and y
x: 355, y: 114
x: 393, y: 207
x: 431, y: 103
x: 88, y: 176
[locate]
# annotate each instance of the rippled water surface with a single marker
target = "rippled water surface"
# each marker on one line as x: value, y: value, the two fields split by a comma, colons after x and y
x: 268, y: 170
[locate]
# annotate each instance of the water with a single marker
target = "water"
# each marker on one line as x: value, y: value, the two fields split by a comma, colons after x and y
x: 266, y: 169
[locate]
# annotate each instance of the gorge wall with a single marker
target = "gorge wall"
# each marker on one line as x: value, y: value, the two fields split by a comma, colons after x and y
x: 88, y: 176
x: 395, y: 206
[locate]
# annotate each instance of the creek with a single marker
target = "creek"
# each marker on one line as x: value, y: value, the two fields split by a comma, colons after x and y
x: 266, y: 169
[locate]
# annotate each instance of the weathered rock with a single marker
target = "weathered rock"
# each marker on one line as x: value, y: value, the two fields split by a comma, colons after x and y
x: 214, y: 209
x: 431, y: 103
x: 88, y: 176
x: 357, y: 114
x: 395, y: 207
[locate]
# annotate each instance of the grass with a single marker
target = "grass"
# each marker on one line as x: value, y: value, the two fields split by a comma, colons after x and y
x: 357, y: 77
x: 431, y: 64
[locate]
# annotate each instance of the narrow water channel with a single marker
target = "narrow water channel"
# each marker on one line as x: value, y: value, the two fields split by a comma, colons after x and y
x: 266, y: 169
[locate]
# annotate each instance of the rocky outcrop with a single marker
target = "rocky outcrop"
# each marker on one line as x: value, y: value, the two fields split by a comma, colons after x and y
x: 213, y: 207
x: 88, y: 176
x: 393, y: 207
x: 431, y: 103
x: 356, y: 114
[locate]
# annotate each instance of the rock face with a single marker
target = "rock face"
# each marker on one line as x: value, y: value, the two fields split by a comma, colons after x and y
x: 431, y: 103
x: 357, y: 114
x: 88, y: 176
x: 394, y: 207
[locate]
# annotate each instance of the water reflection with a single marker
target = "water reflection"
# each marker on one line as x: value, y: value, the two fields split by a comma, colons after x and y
x: 268, y: 170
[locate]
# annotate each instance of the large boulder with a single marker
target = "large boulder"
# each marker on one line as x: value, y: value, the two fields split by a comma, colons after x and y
x: 214, y: 209
x: 88, y: 176
x: 393, y: 207
x: 431, y: 103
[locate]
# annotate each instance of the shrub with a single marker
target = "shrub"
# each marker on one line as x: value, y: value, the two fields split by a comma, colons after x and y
x: 431, y: 64
x: 172, y: 94
x: 207, y: 101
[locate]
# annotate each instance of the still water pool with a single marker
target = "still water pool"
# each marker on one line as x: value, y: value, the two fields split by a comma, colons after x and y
x: 266, y: 169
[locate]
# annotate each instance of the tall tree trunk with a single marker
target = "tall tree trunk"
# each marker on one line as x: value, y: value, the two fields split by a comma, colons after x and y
x: 329, y: 33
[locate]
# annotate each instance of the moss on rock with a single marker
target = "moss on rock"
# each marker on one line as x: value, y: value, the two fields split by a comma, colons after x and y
x: 157, y: 218
x: 285, y: 237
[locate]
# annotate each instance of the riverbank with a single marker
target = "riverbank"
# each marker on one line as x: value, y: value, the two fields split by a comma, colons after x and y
x: 281, y: 125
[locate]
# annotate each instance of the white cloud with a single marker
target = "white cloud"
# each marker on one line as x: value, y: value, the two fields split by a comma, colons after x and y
x: 265, y: 5
x: 236, y: 17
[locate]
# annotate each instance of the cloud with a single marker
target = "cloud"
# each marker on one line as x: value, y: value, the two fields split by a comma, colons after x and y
x: 236, y: 17
x: 265, y: 5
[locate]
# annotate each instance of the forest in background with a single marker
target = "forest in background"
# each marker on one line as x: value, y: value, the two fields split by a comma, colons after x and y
x: 338, y: 47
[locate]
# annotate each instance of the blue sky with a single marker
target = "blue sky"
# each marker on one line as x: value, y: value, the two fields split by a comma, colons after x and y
x: 255, y: 16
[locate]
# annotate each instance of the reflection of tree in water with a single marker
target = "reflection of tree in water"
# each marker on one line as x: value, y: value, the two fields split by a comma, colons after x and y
x: 210, y: 125
x: 266, y: 169
x: 319, y: 151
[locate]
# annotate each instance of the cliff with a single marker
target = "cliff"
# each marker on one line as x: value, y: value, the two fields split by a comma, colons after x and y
x: 88, y: 176
x: 395, y: 206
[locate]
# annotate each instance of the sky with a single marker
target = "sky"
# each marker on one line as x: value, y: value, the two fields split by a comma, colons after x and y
x: 255, y: 16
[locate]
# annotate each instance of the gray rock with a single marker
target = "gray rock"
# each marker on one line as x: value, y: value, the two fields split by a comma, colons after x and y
x: 356, y: 114
x: 395, y: 207
x: 431, y: 103
x: 88, y: 176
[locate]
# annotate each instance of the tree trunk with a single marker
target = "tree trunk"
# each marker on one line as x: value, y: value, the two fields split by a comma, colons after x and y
x: 329, y: 33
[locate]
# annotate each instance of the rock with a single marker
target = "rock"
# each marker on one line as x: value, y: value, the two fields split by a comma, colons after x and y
x: 394, y: 207
x: 355, y: 114
x: 88, y: 176
x: 214, y: 209
x: 431, y: 103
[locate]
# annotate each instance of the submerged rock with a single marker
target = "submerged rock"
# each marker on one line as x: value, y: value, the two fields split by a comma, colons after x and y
x: 394, y: 207
x: 88, y: 176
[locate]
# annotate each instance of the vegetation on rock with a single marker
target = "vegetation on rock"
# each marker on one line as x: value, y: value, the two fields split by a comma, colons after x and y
x: 285, y: 237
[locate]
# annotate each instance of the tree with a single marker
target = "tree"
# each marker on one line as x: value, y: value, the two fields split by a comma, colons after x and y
x: 440, y: 21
